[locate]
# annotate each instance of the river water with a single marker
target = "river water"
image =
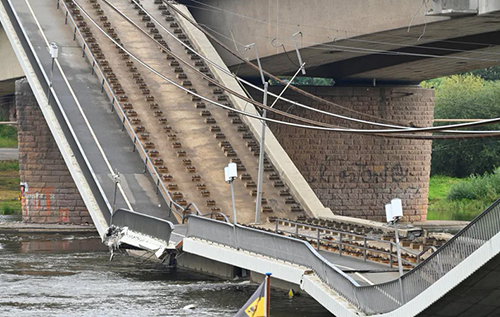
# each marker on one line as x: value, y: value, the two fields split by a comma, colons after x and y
x: 58, y: 275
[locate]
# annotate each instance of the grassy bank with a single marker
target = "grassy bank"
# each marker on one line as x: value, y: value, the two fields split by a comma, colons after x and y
x: 8, y: 136
x: 461, y: 198
x: 9, y: 188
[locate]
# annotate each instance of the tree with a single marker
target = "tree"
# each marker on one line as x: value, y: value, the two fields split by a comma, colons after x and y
x: 466, y: 97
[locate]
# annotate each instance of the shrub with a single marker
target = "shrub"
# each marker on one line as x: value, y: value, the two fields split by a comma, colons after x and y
x: 465, y: 97
x: 486, y: 187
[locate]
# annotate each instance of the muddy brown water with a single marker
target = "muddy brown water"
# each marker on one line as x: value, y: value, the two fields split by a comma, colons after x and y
x: 61, y: 275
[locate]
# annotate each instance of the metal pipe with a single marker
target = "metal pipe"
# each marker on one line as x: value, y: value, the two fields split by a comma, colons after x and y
x: 400, y: 266
x: 261, y: 159
x: 232, y: 200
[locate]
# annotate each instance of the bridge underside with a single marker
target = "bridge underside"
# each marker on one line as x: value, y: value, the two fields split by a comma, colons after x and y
x: 476, y: 296
x: 381, y: 46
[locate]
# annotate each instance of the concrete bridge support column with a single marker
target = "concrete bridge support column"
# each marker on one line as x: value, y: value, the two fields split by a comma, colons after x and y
x: 357, y: 175
x: 51, y: 195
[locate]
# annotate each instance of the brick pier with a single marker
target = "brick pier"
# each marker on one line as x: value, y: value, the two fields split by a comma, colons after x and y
x: 51, y: 196
x: 357, y: 175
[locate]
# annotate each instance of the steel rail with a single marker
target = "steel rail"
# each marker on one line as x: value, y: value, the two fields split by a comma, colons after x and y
x: 339, y: 242
x: 127, y: 125
x: 77, y: 145
x: 322, y: 126
x: 462, y: 134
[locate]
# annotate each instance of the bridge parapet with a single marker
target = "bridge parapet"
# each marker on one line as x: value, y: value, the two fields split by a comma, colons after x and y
x: 144, y: 224
x: 374, y: 299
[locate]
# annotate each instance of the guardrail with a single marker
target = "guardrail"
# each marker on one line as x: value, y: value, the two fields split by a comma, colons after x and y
x: 116, y: 106
x: 152, y: 226
x: 275, y: 246
x: 352, y: 238
x: 448, y: 256
x: 375, y: 299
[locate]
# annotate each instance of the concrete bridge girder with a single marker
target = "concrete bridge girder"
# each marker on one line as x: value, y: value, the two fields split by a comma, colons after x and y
x: 343, y: 39
x: 9, y: 65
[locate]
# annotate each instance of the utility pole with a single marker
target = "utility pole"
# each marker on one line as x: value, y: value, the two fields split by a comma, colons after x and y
x: 264, y: 126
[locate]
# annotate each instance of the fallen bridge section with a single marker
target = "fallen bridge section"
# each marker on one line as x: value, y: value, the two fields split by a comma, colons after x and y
x: 297, y: 262
x: 85, y: 129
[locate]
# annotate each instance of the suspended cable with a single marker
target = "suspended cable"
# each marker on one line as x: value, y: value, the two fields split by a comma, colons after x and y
x: 296, y: 89
x: 244, y: 97
x: 323, y: 127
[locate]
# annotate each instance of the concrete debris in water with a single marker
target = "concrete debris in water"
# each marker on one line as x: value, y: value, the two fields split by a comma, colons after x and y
x: 113, y: 237
x: 190, y: 306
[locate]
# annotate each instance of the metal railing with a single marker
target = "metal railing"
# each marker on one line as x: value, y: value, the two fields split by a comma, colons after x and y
x: 274, y: 246
x: 60, y: 114
x: 352, y: 238
x: 126, y: 124
x: 371, y: 299
x: 145, y: 224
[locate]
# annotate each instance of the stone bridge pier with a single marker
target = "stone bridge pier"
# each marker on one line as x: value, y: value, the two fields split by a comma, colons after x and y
x: 356, y: 175
x: 50, y: 194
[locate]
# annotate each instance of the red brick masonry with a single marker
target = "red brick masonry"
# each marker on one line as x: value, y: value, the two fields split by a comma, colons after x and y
x: 357, y: 175
x: 52, y: 195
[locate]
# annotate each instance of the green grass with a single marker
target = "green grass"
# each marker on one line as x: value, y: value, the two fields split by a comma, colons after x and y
x: 9, y: 166
x: 439, y: 186
x: 8, y: 136
x: 9, y: 188
x: 461, y: 199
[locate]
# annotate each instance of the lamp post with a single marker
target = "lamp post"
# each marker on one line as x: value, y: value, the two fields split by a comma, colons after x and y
x: 116, y: 179
x: 231, y: 173
x: 393, y: 213
x: 54, y: 53
x: 263, y: 115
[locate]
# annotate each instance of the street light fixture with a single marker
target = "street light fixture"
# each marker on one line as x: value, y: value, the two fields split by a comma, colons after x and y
x: 54, y: 54
x: 231, y: 173
x: 393, y: 213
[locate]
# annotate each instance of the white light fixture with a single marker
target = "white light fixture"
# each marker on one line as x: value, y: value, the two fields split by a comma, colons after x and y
x: 231, y: 173
x: 54, y: 50
x: 393, y: 213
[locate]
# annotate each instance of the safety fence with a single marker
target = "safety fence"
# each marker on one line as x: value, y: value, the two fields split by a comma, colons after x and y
x: 373, y: 299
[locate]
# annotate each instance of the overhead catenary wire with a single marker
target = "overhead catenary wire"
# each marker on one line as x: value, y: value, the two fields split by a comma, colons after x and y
x: 324, y: 127
x: 487, y: 133
x: 267, y: 73
x: 295, y: 103
x: 243, y: 81
x: 296, y: 89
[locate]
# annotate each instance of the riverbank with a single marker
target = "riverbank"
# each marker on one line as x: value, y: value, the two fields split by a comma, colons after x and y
x: 13, y: 225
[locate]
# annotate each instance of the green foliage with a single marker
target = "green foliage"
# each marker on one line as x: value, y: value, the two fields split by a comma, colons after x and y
x: 439, y: 186
x: 485, y: 187
x: 9, y: 166
x: 8, y: 136
x: 465, y: 97
x: 9, y: 188
x: 461, y: 199
x: 489, y: 73
x: 10, y: 208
